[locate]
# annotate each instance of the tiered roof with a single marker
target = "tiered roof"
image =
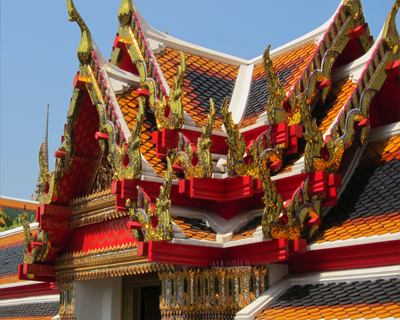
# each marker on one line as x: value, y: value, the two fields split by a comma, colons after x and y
x: 125, y: 124
x: 370, y: 203
x: 338, y: 300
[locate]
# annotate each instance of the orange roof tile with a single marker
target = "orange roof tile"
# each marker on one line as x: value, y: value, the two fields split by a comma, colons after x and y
x: 325, y: 114
x: 195, y: 228
x: 289, y: 68
x: 370, y: 203
x: 248, y: 230
x: 130, y: 106
x: 204, y: 79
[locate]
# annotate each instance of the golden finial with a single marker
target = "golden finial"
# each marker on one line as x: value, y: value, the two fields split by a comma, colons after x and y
x: 390, y: 33
x: 85, y: 46
x: 125, y: 12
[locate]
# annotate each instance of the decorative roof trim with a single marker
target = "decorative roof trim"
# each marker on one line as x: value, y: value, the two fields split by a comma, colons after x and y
x: 175, y: 43
x: 354, y: 70
x: 313, y: 36
x: 353, y: 242
x: 104, y: 65
x: 19, y: 200
x: 241, y: 93
x: 275, y: 291
x: 17, y: 230
x: 380, y: 133
x: 34, y: 299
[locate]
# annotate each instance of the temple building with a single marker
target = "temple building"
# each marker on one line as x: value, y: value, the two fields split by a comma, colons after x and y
x: 191, y: 184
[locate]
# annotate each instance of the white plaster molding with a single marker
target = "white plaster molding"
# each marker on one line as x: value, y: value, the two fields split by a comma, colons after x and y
x: 19, y: 284
x: 19, y: 200
x: 276, y: 290
x: 218, y: 243
x: 32, y: 299
x: 188, y: 121
x: 156, y: 46
x: 200, y: 129
x: 264, y: 300
x: 241, y: 93
x: 121, y: 80
x: 11, y: 232
x: 314, y: 36
x: 355, y: 242
x: 177, y: 232
x: 172, y: 42
x: 261, y: 121
x: 384, y: 132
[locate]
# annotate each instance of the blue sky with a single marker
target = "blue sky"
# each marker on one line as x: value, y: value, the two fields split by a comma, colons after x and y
x: 38, y: 56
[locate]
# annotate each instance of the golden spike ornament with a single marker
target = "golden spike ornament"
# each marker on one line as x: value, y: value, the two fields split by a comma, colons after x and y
x: 184, y: 153
x: 169, y: 114
x: 175, y: 119
x: 315, y: 79
x: 390, y: 32
x: 157, y: 223
x: 289, y: 221
x: 127, y: 160
x: 235, y: 140
x: 125, y: 12
x: 327, y: 155
x: 85, y: 47
x: 27, y: 232
x: 237, y: 148
x: 272, y: 199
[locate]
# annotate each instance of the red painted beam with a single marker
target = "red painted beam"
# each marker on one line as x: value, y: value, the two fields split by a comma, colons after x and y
x: 36, y: 272
x: 36, y: 289
x: 218, y: 189
x: 285, y: 186
x: 276, y: 250
x: 254, y: 133
x: 351, y: 257
x: 170, y: 139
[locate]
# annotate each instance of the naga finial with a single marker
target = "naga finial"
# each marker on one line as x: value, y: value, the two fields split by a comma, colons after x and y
x: 125, y: 12
x: 85, y: 46
x: 46, y: 136
x: 354, y: 7
x: 276, y: 89
x: 390, y: 32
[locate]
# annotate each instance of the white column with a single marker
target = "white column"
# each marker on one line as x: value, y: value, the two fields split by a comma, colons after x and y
x: 98, y: 299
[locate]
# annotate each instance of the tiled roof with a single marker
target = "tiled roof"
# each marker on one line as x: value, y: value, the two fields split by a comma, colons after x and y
x: 370, y: 204
x: 11, y: 254
x: 248, y: 230
x: 195, y: 228
x: 354, y: 300
x: 44, y: 310
x: 13, y: 208
x: 327, y: 112
x: 129, y: 106
x: 204, y: 79
x: 289, y: 68
x: 324, y: 114
x: 10, y: 259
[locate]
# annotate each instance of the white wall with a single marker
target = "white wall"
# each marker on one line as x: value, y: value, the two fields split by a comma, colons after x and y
x: 98, y: 299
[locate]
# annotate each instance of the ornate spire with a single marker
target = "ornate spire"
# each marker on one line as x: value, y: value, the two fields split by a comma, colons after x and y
x: 125, y: 12
x: 35, y: 197
x: 85, y: 46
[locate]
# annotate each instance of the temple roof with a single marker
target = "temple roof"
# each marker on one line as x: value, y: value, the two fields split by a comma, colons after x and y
x: 370, y: 203
x: 366, y: 299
